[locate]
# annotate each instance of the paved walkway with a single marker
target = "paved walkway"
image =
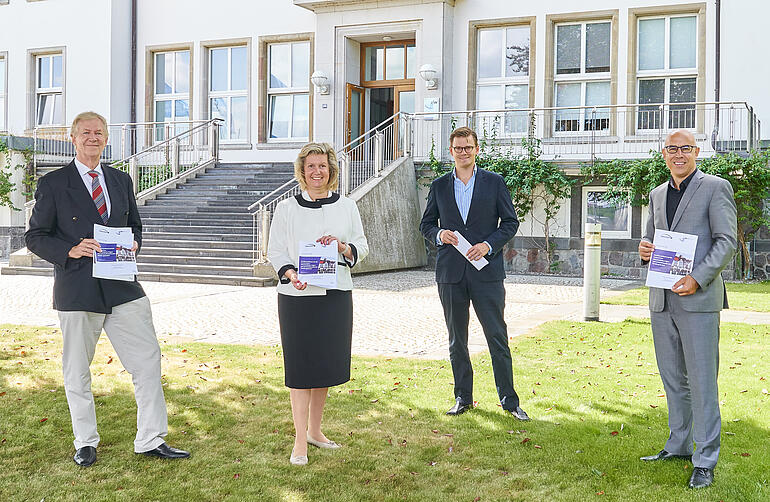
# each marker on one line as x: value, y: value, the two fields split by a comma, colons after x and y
x: 395, y: 313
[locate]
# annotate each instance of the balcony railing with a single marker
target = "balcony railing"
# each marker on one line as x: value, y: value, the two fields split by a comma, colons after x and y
x: 583, y: 133
x: 52, y: 144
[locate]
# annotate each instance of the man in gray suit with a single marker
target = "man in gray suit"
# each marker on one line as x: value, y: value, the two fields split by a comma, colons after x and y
x: 685, y: 319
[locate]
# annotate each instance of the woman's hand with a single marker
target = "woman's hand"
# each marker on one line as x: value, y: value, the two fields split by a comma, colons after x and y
x: 328, y: 239
x: 292, y: 275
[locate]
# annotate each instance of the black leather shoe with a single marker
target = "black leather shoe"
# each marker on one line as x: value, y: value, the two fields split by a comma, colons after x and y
x: 701, y: 477
x: 165, y: 451
x: 459, y: 407
x: 664, y: 455
x: 85, y: 456
x: 519, y: 414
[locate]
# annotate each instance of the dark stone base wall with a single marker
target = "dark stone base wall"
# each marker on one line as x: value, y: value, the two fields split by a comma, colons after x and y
x: 11, y: 239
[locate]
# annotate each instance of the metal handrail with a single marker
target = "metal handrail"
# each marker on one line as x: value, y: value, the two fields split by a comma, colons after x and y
x: 169, y: 140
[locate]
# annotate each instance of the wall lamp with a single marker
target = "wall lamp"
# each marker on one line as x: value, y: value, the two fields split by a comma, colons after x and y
x: 320, y: 81
x: 428, y: 74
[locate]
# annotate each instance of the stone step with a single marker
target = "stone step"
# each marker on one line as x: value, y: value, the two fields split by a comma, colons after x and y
x: 213, y: 221
x: 206, y: 279
x: 233, y: 227
x: 162, y: 212
x: 222, y: 253
x: 165, y: 242
x: 44, y: 271
x: 188, y: 236
x: 201, y: 261
x: 146, y: 268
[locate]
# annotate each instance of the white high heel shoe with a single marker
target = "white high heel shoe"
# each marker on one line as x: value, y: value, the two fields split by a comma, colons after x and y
x: 297, y: 459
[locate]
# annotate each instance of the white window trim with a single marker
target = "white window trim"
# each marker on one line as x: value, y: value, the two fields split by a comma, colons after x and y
x: 581, y: 78
x: 607, y: 234
x: 48, y: 91
x: 271, y: 91
x: 502, y: 82
x: 173, y: 96
x: 4, y: 94
x: 229, y: 93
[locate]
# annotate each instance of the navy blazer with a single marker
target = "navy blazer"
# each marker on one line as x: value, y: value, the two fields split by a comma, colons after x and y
x: 491, y: 218
x: 64, y: 214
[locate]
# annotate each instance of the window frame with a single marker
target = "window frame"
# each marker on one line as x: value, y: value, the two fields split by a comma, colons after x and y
x: 666, y: 73
x: 173, y: 96
x: 149, y: 79
x: 383, y: 82
x: 229, y: 94
x: 606, y: 234
x: 49, y: 91
x: 503, y: 82
x: 288, y: 91
x: 4, y: 94
x: 699, y: 73
x: 582, y: 77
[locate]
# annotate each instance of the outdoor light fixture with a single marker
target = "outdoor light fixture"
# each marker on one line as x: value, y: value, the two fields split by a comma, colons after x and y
x: 428, y: 74
x: 320, y: 81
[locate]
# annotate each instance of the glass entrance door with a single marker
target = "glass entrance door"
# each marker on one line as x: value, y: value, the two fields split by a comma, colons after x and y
x: 355, y: 118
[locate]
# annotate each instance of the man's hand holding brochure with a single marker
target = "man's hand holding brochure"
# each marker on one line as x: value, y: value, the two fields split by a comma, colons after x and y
x: 116, y: 260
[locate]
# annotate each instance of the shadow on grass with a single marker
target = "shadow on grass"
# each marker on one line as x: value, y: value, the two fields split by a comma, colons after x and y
x: 229, y: 407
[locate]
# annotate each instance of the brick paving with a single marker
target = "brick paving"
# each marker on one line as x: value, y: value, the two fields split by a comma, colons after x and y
x: 395, y: 313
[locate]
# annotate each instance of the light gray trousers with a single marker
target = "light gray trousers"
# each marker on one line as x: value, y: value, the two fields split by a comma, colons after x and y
x: 687, y: 350
x: 132, y: 335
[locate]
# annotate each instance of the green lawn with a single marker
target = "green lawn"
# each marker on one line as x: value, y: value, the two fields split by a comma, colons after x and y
x: 592, y: 390
x: 753, y: 296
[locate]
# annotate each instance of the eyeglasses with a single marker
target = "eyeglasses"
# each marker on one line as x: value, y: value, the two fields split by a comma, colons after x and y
x: 466, y: 149
x: 672, y: 149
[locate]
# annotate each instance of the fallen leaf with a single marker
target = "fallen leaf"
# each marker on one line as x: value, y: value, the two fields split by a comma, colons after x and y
x: 600, y: 493
x: 185, y: 350
x: 374, y: 400
x: 653, y: 406
x: 432, y: 463
x: 526, y: 440
x: 236, y: 476
x: 2, y: 394
x: 43, y: 420
x: 614, y: 433
x: 538, y: 447
x: 434, y: 431
x: 241, y: 441
x: 477, y: 499
x: 764, y: 391
x: 745, y: 454
x: 109, y: 360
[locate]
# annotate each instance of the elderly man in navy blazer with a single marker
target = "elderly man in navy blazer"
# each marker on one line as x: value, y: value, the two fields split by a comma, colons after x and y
x: 68, y: 202
x: 477, y: 204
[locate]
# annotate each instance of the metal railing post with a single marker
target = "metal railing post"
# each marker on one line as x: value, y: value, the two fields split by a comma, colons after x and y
x: 133, y: 171
x: 750, y: 131
x: 379, y: 153
x: 34, y: 152
x: 175, y: 157
x: 264, y: 233
x: 123, y: 141
x: 214, y: 140
x: 407, y: 135
x: 660, y: 128
x: 342, y: 163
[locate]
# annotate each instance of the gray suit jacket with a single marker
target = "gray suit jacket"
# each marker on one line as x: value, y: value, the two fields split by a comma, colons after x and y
x: 707, y: 210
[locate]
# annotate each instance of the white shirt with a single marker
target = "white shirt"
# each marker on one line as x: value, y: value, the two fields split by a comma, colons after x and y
x: 88, y: 180
x: 293, y: 223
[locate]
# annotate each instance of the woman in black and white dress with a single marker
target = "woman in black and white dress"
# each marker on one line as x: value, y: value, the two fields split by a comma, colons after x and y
x: 316, y: 323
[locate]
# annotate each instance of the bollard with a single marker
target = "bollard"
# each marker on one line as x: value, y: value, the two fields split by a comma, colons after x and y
x: 591, y: 271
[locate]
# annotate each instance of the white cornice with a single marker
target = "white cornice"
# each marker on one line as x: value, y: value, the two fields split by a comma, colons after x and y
x: 332, y: 5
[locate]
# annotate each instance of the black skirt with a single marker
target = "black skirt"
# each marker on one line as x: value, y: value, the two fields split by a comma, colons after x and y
x: 316, y: 333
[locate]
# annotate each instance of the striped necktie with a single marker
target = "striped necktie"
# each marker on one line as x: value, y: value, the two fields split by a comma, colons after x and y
x: 98, y: 195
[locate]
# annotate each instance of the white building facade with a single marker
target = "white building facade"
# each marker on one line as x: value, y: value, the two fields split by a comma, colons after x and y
x: 250, y: 62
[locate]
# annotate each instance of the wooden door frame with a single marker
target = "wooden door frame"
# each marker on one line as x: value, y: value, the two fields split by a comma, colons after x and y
x: 349, y: 89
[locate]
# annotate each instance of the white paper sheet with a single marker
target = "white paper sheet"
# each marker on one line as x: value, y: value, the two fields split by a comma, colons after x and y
x: 318, y: 264
x: 116, y: 261
x: 463, y: 246
x: 672, y: 258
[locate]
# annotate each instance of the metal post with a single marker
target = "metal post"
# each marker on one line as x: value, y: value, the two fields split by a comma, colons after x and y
x: 750, y: 132
x: 133, y: 171
x: 591, y: 271
x: 214, y: 140
x: 379, y: 153
x: 264, y: 232
x: 407, y: 136
x: 123, y: 141
x: 342, y: 163
x: 175, y: 157
x: 660, y: 128
x: 34, y: 152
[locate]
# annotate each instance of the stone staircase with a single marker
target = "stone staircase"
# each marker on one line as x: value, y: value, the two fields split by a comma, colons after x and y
x: 200, y: 231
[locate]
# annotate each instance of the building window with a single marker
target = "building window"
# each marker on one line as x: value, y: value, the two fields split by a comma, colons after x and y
x: 502, y: 78
x: 49, y: 90
x: 3, y: 93
x: 228, y: 91
x: 582, y: 76
x: 615, y: 219
x: 391, y: 61
x: 288, y: 91
x: 667, y: 71
x: 172, y: 91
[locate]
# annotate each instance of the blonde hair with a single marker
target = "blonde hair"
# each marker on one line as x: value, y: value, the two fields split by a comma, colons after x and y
x: 331, y: 157
x: 88, y: 116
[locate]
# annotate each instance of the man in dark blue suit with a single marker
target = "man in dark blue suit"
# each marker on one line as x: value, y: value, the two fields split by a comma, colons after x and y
x: 477, y: 204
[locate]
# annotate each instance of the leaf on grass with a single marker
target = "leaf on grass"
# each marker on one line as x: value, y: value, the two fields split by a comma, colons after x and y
x: 744, y: 391
x: 241, y: 441
x: 434, y: 431
x: 374, y: 401
x: 236, y: 476
x: 600, y: 493
x: 729, y: 433
x: 43, y: 420
x: 2, y: 394
x: 413, y: 473
x: 764, y: 391
x: 109, y: 360
x: 745, y: 454
x: 653, y: 406
x: 477, y: 499
x: 432, y: 463
x: 449, y: 435
x: 614, y: 433
x: 525, y: 441
x: 538, y: 447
